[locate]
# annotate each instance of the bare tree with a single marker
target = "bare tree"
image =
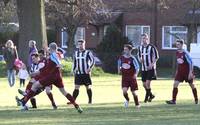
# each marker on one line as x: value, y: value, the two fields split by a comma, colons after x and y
x: 7, y: 11
x: 32, y: 25
x: 73, y: 13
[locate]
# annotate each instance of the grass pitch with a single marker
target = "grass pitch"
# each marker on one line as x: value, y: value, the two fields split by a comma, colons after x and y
x: 107, y: 108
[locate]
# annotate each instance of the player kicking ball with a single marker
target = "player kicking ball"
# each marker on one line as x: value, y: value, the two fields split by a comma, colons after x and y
x: 184, y: 72
x: 51, y: 74
x: 129, y: 68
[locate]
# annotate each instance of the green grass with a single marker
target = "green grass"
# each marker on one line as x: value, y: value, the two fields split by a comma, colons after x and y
x: 107, y: 108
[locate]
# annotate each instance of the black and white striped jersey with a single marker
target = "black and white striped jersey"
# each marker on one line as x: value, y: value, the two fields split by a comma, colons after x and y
x: 83, y: 60
x: 36, y: 67
x: 148, y: 54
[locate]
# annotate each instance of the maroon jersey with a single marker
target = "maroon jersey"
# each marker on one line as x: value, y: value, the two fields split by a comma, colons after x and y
x: 128, y: 66
x: 50, y: 68
x: 183, y: 61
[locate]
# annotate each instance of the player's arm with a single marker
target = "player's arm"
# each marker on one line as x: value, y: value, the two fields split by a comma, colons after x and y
x: 155, y: 55
x: 139, y: 55
x: 119, y: 64
x: 91, y: 59
x: 189, y: 60
x: 74, y: 65
x: 136, y: 65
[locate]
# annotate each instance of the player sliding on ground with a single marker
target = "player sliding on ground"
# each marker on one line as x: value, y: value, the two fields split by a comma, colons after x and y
x: 50, y: 74
x: 184, y: 72
x: 129, y: 67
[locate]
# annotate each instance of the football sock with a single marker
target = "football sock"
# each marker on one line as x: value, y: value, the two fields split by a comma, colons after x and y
x: 174, y: 94
x: 136, y: 100
x: 75, y: 93
x: 33, y: 102
x: 71, y: 99
x: 146, y: 95
x: 28, y: 87
x: 89, y: 93
x: 194, y: 91
x: 28, y: 96
x: 50, y: 95
x: 148, y: 92
x: 126, y: 96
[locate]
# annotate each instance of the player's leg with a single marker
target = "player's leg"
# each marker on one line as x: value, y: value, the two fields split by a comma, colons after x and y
x: 28, y: 87
x: 33, y: 102
x: 144, y: 79
x: 125, y: 94
x: 89, y: 93
x: 71, y: 99
x: 50, y: 95
x: 134, y: 88
x: 78, y: 82
x: 135, y: 97
x: 194, y: 91
x: 76, y: 91
x: 174, y: 93
x: 36, y: 86
x: 150, y: 76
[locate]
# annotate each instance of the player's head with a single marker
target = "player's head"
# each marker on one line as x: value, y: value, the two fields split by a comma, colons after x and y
x: 35, y: 58
x: 41, y: 53
x: 127, y: 49
x: 179, y: 44
x: 53, y: 47
x: 144, y: 39
x: 81, y: 44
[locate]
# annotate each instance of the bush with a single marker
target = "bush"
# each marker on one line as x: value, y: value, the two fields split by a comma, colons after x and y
x: 3, y: 69
x: 197, y: 72
x: 110, y: 48
x: 67, y: 69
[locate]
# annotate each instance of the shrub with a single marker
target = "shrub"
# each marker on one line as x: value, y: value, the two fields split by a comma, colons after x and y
x: 3, y: 69
x: 111, y: 47
x: 66, y: 69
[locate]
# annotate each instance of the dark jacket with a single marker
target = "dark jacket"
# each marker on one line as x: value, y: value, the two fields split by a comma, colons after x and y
x: 10, y: 54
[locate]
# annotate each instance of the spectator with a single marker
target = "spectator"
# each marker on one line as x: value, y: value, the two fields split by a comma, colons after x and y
x: 32, y: 50
x: 10, y: 54
x: 23, y: 75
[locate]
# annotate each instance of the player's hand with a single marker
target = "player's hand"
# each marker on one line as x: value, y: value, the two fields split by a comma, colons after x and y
x: 150, y: 67
x: 88, y: 71
x: 190, y: 76
x: 135, y: 76
x: 141, y: 60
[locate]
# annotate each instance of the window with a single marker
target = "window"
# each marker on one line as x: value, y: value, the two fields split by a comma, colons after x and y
x: 133, y: 32
x: 64, y: 38
x: 171, y: 33
x: 80, y: 34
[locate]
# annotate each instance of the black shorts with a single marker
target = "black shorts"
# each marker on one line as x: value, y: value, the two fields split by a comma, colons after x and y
x: 83, y: 79
x: 149, y: 75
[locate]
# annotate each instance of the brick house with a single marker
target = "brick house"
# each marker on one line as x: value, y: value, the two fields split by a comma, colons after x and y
x: 163, y: 23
